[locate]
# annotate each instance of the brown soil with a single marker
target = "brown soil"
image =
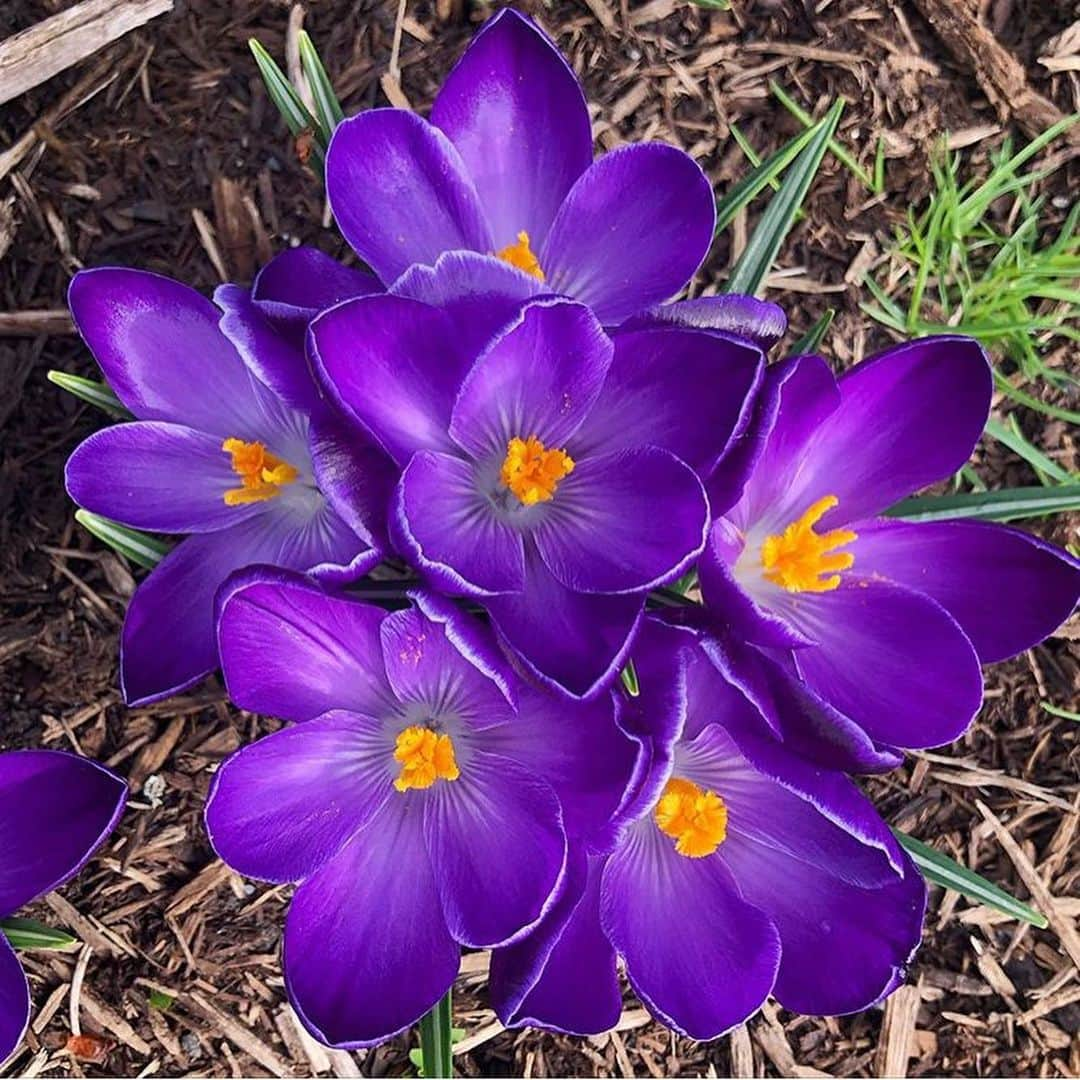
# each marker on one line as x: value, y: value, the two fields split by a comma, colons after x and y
x: 172, y: 120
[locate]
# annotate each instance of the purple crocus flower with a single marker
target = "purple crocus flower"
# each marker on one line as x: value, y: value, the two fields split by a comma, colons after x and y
x: 505, y: 168
x: 883, y: 622
x: 55, y: 810
x: 226, y: 418
x: 556, y: 477
x: 739, y: 871
x: 424, y: 800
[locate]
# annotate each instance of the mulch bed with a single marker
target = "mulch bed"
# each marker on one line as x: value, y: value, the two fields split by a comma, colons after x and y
x: 170, y: 157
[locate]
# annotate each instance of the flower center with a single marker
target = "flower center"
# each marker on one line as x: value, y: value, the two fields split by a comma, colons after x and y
x: 696, y: 820
x: 532, y: 472
x: 425, y: 756
x: 262, y: 474
x: 521, y: 255
x: 797, y: 558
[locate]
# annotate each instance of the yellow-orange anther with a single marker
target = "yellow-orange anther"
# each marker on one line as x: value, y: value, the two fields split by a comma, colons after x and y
x: 798, y: 558
x: 519, y: 254
x: 532, y: 472
x: 424, y: 756
x: 695, y: 819
x: 261, y: 473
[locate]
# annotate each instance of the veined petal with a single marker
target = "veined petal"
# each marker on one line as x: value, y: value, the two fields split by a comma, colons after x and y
x: 282, y: 807
x: 57, y: 808
x: 513, y: 108
x: 290, y: 649
x: 632, y: 232
x: 1006, y: 588
x: 757, y: 321
x: 400, y: 192
x: 351, y: 972
x: 157, y: 476
x: 497, y: 837
x: 14, y: 1001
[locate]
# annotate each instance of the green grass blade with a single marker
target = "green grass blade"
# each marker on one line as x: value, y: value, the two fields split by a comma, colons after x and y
x: 137, y: 546
x: 1011, y: 504
x: 810, y: 341
x: 91, y: 391
x: 30, y: 934
x: 749, y: 187
x: 1011, y: 437
x: 754, y: 263
x: 1053, y: 710
x: 942, y: 870
x: 286, y: 100
x: 835, y: 148
x: 326, y: 103
x: 629, y: 678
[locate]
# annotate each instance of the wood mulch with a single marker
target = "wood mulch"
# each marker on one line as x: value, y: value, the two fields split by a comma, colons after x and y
x: 162, y: 151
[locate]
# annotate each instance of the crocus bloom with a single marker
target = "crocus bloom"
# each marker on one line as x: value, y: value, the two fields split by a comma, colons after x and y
x: 221, y: 449
x: 424, y: 799
x: 505, y: 168
x: 739, y: 871
x: 556, y: 477
x: 884, y: 622
x: 55, y: 809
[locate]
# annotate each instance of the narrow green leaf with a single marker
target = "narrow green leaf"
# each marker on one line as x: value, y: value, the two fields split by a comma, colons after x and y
x: 91, y: 391
x: 1053, y: 710
x: 286, y: 100
x: 714, y: 5
x: 137, y: 546
x: 754, y: 263
x: 810, y: 341
x: 30, y: 934
x: 1010, y: 504
x: 160, y: 1001
x: 1011, y: 437
x: 942, y: 870
x: 326, y: 103
x: 630, y: 679
x: 436, y: 1040
x: 747, y: 189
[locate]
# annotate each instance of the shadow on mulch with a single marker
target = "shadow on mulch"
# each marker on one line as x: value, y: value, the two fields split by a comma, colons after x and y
x: 171, y: 121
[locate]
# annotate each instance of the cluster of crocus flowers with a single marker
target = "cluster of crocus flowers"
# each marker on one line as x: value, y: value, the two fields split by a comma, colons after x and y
x: 515, y: 418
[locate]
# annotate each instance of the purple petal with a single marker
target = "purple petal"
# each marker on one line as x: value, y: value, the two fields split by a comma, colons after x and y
x: 290, y: 649
x: 496, y: 836
x: 395, y: 366
x: 513, y: 108
x: 14, y: 1001
x: 578, y: 749
x: 160, y: 347
x: 805, y: 723
x: 57, y: 809
x: 757, y: 321
x: 282, y: 807
x: 354, y: 975
x: 540, y: 377
x: 632, y: 232
x: 162, y: 477
x: 354, y: 474
x: 907, y: 417
x: 570, y: 641
x: 562, y: 976
x: 295, y: 285
x: 1006, y: 588
x: 276, y: 358
x: 446, y: 525
x: 893, y: 660
x: 400, y: 192
x: 683, y: 391
x: 624, y: 522
x: 843, y: 947
x: 426, y: 667
x: 482, y: 295
x: 700, y: 958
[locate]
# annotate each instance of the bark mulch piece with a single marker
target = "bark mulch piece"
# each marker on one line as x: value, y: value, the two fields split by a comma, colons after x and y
x: 162, y: 151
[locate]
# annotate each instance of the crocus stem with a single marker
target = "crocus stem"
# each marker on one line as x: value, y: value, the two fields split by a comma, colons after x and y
x: 436, y: 1041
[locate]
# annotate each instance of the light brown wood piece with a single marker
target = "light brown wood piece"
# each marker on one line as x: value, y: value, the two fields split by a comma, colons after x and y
x: 36, y: 54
